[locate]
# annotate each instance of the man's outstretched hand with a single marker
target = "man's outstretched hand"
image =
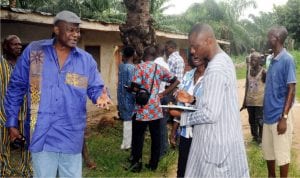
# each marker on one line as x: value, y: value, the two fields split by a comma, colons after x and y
x: 184, y: 97
x: 104, y: 100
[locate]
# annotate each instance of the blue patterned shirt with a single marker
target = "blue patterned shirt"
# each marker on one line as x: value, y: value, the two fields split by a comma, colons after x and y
x: 126, y: 100
x: 56, y: 97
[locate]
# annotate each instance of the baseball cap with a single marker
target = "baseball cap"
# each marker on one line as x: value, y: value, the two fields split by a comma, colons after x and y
x: 67, y: 16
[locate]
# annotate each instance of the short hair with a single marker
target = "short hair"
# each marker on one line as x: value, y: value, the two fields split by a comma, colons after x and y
x: 280, y: 32
x: 149, y: 52
x: 171, y: 44
x: 257, y: 54
x: 160, y: 49
x: 7, y: 40
x: 201, y: 28
x: 128, y: 51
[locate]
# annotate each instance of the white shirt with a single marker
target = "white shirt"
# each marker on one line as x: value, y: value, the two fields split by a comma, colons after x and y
x: 161, y: 61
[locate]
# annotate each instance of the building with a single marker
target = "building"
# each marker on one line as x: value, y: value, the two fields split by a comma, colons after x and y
x: 100, y: 39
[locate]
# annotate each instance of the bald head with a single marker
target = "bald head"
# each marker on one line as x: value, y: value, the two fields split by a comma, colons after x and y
x: 279, y: 32
x: 203, y: 43
x: 204, y: 29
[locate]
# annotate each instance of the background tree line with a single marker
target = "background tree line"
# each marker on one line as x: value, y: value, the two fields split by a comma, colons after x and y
x: 224, y: 16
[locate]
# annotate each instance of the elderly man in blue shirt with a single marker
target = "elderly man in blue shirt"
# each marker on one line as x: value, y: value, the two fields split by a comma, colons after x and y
x: 56, y: 76
x: 278, y: 100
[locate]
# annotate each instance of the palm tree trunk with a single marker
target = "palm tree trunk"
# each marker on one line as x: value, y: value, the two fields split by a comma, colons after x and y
x: 138, y: 30
x: 12, y: 3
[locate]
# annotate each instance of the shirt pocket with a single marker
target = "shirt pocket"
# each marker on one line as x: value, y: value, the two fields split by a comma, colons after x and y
x: 77, y: 89
x: 76, y: 80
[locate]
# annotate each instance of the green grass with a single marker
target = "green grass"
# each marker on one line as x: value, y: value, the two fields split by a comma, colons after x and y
x: 258, y: 166
x: 104, y: 148
x: 241, y: 72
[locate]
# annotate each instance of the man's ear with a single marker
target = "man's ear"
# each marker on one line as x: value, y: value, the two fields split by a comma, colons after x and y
x: 56, y: 30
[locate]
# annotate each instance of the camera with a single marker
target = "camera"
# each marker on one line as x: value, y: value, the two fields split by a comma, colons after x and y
x: 18, y: 143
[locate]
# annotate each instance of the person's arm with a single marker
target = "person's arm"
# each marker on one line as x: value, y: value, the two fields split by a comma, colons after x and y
x: 95, y: 83
x: 167, y: 76
x: 16, y: 89
x: 282, y: 125
x: 211, y: 103
x: 264, y: 75
x: 246, y: 91
x: 291, y: 84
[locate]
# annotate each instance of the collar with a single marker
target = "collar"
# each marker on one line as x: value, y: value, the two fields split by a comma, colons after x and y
x: 279, y: 55
x: 175, y: 53
x: 50, y: 42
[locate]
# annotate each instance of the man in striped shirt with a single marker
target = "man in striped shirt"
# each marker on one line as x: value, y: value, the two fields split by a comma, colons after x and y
x: 217, y: 148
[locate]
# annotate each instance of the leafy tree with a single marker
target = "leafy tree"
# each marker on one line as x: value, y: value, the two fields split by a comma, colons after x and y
x: 289, y: 16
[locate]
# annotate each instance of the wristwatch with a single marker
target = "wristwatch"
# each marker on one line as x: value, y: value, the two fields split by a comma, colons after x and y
x: 285, y: 116
x: 194, y: 100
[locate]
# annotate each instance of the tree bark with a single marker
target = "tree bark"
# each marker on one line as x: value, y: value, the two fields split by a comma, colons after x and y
x: 12, y: 3
x: 138, y: 29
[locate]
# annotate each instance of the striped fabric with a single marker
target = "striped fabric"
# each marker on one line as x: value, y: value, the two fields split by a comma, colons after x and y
x: 23, y: 167
x: 217, y: 148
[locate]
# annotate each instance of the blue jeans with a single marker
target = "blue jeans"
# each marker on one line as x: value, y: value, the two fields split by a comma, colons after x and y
x: 49, y: 164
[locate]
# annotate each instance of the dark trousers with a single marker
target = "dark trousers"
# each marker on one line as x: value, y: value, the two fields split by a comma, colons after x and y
x: 164, y: 143
x: 138, y: 134
x: 256, y: 121
x: 184, y: 149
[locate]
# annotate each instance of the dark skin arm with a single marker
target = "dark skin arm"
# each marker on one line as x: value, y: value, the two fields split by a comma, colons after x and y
x: 169, y: 89
x: 281, y: 127
x: 263, y: 78
x: 244, y: 101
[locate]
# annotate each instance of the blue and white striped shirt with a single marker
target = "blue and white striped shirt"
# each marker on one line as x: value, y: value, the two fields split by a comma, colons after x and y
x: 217, y: 148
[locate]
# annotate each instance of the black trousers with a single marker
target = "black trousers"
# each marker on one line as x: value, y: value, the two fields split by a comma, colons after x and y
x: 184, y: 149
x: 138, y: 134
x: 256, y: 121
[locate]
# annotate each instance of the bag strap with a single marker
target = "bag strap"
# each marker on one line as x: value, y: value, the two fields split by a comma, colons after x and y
x: 153, y: 78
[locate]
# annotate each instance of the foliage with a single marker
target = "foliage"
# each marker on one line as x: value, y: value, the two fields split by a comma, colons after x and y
x: 296, y: 55
x: 223, y: 16
x: 289, y: 16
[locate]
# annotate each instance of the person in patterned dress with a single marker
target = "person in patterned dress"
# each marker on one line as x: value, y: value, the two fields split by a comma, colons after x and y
x: 151, y: 113
x: 11, y: 51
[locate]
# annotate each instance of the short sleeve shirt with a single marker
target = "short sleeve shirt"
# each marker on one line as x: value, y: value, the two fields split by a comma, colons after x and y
x: 144, y: 76
x: 281, y: 72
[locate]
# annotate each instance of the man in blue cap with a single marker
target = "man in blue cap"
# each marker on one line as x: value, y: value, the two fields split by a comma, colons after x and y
x: 57, y: 76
